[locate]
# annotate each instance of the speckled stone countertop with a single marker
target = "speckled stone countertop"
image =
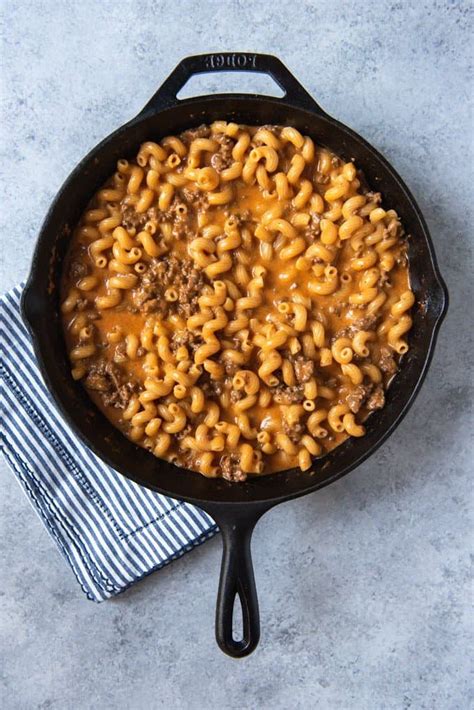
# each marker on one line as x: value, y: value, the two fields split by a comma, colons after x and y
x: 363, y: 586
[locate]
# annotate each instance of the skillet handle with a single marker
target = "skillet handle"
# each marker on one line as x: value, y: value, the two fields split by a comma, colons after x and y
x: 237, y: 580
x: 295, y: 94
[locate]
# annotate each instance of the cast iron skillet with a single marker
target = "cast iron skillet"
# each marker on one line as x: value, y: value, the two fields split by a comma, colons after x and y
x: 235, y: 507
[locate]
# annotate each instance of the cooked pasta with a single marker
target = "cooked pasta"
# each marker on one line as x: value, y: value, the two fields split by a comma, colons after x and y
x: 235, y: 301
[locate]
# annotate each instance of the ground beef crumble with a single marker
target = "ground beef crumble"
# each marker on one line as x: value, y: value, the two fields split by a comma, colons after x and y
x: 236, y: 395
x: 304, y: 369
x: 386, y: 361
x: 223, y: 158
x: 107, y: 379
x: 230, y: 470
x: 162, y: 273
x: 376, y: 399
x: 313, y: 229
x: 373, y: 197
x: 211, y: 388
x: 188, y: 338
x: 369, y: 396
x: 356, y: 398
x: 120, y: 354
x: 132, y: 219
x: 283, y: 394
x: 365, y: 323
x: 195, y: 197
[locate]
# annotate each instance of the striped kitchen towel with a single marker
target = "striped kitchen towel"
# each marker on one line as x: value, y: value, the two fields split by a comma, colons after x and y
x: 111, y: 531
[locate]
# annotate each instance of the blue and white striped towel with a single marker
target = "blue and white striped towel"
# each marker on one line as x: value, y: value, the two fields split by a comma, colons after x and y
x: 111, y: 531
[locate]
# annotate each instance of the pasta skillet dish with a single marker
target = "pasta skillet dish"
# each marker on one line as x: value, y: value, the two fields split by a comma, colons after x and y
x: 236, y: 299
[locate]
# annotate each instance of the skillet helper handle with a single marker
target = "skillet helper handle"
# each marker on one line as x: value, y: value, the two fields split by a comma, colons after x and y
x: 237, y: 583
x: 231, y: 61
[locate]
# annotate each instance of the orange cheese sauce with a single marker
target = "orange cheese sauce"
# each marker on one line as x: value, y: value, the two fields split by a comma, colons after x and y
x: 144, y: 383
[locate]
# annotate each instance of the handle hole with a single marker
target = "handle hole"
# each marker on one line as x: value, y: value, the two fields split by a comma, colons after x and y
x: 230, y: 81
x: 237, y: 620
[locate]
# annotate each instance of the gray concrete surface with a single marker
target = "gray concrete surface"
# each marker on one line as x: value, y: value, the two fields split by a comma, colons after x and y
x: 364, y: 587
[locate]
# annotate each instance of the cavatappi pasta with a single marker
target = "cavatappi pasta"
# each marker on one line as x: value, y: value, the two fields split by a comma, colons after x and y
x: 236, y: 300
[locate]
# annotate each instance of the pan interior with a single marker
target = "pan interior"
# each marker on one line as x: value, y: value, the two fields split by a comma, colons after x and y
x: 41, y: 301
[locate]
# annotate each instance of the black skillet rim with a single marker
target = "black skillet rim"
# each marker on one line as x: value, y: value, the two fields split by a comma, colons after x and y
x: 35, y: 277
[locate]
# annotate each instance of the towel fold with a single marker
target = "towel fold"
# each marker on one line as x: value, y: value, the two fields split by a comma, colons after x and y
x: 111, y: 531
